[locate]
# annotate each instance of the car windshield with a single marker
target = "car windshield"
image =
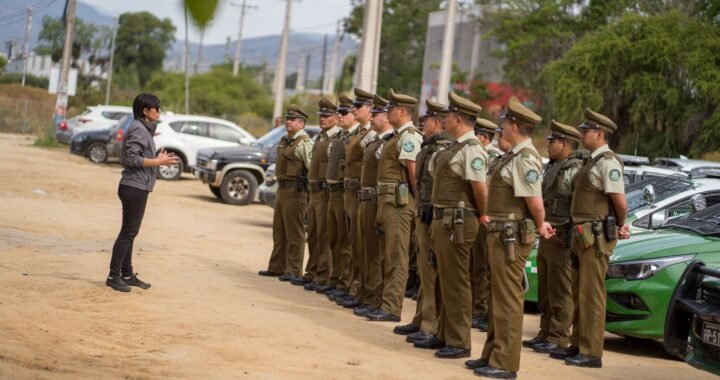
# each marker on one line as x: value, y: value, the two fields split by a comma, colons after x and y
x: 665, y: 187
x: 704, y: 222
x: 271, y: 138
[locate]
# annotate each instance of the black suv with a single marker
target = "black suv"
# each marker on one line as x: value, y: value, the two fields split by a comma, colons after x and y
x: 233, y: 173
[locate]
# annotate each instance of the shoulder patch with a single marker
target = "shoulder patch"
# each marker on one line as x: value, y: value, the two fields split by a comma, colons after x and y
x: 472, y: 142
x: 477, y: 163
x: 310, y: 154
x: 408, y: 146
x: 532, y: 176
x: 614, y: 175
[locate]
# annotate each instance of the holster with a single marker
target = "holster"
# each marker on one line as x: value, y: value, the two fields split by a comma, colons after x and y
x: 458, y: 236
x: 597, y: 231
x: 301, y: 184
x: 611, y: 228
x: 426, y: 214
x: 509, y: 242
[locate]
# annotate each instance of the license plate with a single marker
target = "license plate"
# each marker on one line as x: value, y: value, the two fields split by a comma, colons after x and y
x: 711, y: 333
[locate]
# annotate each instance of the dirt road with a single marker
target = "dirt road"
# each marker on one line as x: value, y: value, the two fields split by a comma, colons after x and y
x: 208, y: 315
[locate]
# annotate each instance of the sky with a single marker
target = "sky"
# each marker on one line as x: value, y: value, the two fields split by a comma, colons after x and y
x: 311, y: 16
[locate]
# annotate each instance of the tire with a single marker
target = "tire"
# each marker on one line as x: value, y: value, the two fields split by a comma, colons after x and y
x: 172, y: 172
x: 97, y: 152
x: 215, y: 191
x: 238, y: 188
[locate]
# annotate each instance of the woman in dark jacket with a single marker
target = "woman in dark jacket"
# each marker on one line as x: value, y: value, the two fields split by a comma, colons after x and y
x: 138, y: 179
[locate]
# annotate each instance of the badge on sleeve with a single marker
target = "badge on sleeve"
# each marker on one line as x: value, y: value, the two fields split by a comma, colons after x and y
x: 310, y: 154
x: 409, y: 146
x: 614, y: 175
x: 477, y: 163
x: 532, y: 176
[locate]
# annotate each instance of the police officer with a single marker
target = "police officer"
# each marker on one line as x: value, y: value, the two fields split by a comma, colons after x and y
x: 373, y: 247
x: 320, y: 257
x: 598, y: 212
x: 291, y: 167
x: 514, y: 212
x: 459, y: 199
x: 337, y: 223
x: 424, y: 324
x: 396, y: 202
x: 354, y: 159
x: 485, y: 132
x: 553, y: 258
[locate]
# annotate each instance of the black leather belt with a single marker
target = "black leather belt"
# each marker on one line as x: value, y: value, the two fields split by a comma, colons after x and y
x: 439, y: 213
x: 318, y: 185
x: 333, y: 187
x: 287, y: 183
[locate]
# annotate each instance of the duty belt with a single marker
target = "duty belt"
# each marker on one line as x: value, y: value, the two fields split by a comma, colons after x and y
x: 389, y: 188
x: 439, y: 213
x: 333, y: 187
x: 287, y: 183
x: 318, y: 185
x: 367, y: 194
x: 500, y: 226
x: 352, y: 184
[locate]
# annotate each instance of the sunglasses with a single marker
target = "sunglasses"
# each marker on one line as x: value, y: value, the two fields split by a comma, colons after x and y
x: 344, y: 113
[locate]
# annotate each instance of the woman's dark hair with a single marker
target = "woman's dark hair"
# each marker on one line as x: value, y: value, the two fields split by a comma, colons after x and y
x: 143, y: 101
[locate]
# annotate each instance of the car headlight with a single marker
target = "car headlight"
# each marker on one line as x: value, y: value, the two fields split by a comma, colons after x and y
x: 212, y: 164
x: 642, y: 269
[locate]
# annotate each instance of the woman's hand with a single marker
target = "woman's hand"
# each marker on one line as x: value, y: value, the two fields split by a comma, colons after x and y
x: 165, y: 159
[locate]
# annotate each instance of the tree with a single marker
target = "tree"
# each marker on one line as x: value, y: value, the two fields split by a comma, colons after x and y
x: 402, y: 41
x: 655, y: 76
x: 3, y: 62
x: 52, y: 37
x: 141, y: 43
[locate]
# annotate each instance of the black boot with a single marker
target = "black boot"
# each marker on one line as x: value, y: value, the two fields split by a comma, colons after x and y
x: 135, y: 281
x: 563, y: 353
x: 584, y: 361
x: 117, y: 283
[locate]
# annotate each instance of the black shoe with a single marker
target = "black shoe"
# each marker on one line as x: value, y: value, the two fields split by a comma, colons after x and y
x: 268, y: 273
x: 432, y: 344
x: 381, y: 315
x: 117, y: 283
x: 311, y: 286
x: 286, y: 277
x: 406, y: 329
x: 411, y: 293
x: 495, y: 373
x: 363, y: 310
x: 418, y: 336
x: 529, y: 343
x: 342, y: 299
x: 483, y: 324
x: 324, y: 289
x: 452, y: 352
x: 563, y: 353
x: 135, y: 281
x: 300, y: 281
x: 581, y: 360
x: 478, y: 363
x: 351, y: 303
x: 545, y: 347
x: 331, y: 295
x: 415, y: 296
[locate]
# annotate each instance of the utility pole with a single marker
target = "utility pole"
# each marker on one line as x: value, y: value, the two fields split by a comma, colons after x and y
x: 367, y: 51
x: 333, y: 60
x: 300, y: 78
x: 323, y: 66
x: 200, y: 50
x: 62, y: 97
x: 447, y: 53
x: 376, y: 59
x: 280, y: 69
x: 112, y: 56
x: 187, y: 65
x: 26, y: 47
x: 243, y: 8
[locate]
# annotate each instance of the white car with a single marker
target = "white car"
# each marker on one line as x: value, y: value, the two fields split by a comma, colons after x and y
x: 94, y: 118
x: 637, y: 169
x: 183, y: 135
x: 693, y: 168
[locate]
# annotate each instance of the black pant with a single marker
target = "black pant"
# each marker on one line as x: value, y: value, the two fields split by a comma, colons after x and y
x: 133, y: 208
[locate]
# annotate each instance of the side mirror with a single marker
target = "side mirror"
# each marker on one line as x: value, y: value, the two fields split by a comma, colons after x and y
x: 658, y: 218
x: 648, y: 194
x: 698, y: 202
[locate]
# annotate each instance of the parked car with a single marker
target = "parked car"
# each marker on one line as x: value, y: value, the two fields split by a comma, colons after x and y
x: 268, y: 188
x: 233, y: 173
x: 693, y: 168
x: 637, y: 169
x: 692, y: 326
x: 117, y: 135
x: 91, y: 144
x: 645, y: 270
x: 184, y: 135
x: 93, y: 118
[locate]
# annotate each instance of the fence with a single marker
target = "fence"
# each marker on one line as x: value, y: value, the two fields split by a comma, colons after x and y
x: 25, y: 115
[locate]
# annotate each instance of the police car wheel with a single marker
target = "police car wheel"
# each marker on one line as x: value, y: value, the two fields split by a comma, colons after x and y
x: 238, y: 188
x: 97, y: 153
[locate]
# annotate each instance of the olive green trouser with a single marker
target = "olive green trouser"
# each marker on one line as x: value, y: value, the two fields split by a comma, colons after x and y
x: 589, y: 295
x: 318, y: 265
x: 504, y: 338
x: 373, y: 255
x: 480, y: 278
x: 453, y: 260
x: 429, y: 299
x: 339, y: 241
x: 352, y: 203
x: 288, y: 232
x: 555, y: 290
x: 395, y: 221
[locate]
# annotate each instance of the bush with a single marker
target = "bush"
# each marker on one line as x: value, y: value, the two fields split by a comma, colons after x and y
x: 30, y: 80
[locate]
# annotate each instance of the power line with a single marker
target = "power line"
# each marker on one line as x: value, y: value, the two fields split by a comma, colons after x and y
x: 20, y: 15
